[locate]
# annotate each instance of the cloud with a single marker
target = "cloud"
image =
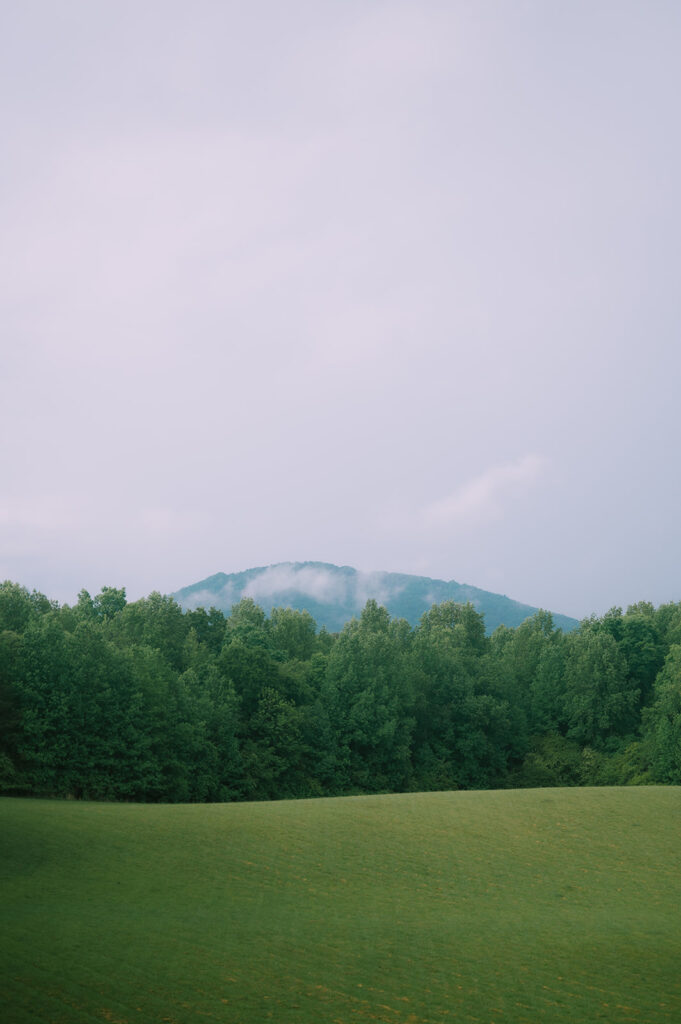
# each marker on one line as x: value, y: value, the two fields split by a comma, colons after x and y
x: 485, y: 497
x: 200, y: 599
x: 374, y: 585
x: 209, y: 598
x: 318, y: 583
x: 315, y: 583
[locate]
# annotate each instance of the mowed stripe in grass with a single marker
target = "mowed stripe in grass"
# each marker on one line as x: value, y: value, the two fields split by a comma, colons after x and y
x: 526, y: 906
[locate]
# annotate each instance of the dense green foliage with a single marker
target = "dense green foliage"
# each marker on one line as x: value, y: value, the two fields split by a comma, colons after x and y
x: 517, y: 907
x: 142, y: 701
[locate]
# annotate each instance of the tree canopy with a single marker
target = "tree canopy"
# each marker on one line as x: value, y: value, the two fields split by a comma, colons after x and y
x: 110, y: 699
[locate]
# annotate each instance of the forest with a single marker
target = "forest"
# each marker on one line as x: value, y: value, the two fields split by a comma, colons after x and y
x: 142, y: 701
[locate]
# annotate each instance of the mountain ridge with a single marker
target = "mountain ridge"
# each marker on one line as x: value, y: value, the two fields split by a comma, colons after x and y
x: 334, y: 594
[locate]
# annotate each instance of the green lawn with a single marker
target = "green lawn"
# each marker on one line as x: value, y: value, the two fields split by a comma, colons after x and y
x: 517, y: 906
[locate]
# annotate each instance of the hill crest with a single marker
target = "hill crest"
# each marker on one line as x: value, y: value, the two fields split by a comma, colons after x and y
x: 333, y: 594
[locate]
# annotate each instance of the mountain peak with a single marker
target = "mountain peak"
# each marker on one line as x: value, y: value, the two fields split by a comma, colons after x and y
x: 333, y: 594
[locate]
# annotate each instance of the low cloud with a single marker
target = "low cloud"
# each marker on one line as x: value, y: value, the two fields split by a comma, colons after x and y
x: 223, y: 598
x: 319, y: 584
x: 485, y: 497
x: 199, y: 599
x: 373, y: 585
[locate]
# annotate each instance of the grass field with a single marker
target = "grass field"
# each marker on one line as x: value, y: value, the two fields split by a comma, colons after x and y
x: 517, y: 906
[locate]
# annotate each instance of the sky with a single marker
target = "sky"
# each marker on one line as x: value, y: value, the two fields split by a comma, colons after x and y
x: 392, y: 285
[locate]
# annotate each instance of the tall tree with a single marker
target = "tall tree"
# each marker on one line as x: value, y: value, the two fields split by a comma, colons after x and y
x: 662, y: 722
x: 600, y: 699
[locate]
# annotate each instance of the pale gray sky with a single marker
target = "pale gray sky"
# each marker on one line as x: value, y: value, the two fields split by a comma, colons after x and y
x: 385, y: 284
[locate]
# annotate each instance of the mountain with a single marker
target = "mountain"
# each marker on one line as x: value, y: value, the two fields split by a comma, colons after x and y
x: 333, y: 594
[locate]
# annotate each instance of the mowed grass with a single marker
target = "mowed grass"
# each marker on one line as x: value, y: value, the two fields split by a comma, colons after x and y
x: 525, y: 906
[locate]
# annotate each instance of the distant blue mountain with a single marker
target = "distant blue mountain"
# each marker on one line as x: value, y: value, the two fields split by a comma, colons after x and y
x: 333, y: 594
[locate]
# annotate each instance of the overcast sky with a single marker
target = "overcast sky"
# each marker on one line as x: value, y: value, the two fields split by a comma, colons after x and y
x: 391, y: 285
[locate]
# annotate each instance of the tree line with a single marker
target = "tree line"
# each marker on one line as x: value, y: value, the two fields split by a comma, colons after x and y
x: 143, y: 701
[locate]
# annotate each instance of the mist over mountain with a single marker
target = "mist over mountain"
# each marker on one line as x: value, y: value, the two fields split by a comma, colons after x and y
x: 333, y: 594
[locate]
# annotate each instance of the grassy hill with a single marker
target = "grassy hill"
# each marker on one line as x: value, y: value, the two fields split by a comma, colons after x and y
x: 333, y: 594
x: 517, y: 906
